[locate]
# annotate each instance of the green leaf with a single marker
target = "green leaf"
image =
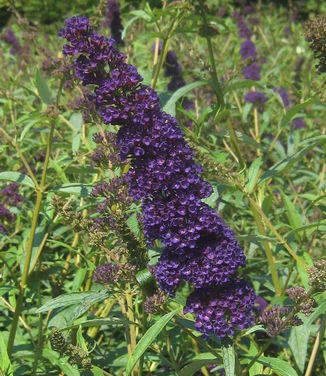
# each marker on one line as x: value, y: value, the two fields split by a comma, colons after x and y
x: 17, y: 177
x: 169, y: 108
x: 278, y: 365
x: 298, y: 342
x: 294, y: 110
x: 132, y: 223
x: 100, y: 322
x: 146, y: 281
x: 256, y: 368
x: 320, y: 310
x: 292, y: 214
x: 197, y: 363
x: 228, y: 359
x: 5, y: 364
x: 147, y: 339
x: 42, y: 88
x: 83, y: 299
x: 82, y: 190
x: 76, y: 119
x: 253, y: 174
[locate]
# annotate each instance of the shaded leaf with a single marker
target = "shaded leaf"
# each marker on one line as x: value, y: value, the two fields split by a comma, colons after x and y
x: 147, y: 339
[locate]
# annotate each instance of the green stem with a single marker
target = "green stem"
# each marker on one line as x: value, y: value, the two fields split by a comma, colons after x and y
x: 217, y: 86
x: 39, y: 197
x: 268, y: 249
x: 23, y: 283
x: 276, y: 233
x: 159, y: 64
x: 235, y: 143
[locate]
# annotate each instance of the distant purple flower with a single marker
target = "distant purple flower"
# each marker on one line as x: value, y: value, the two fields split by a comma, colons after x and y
x: 11, y: 195
x: 112, y: 19
x: 5, y: 213
x: 171, y: 65
x: 255, y: 97
x: 285, y: 98
x: 299, y: 123
x: 248, y: 50
x: 173, y: 69
x: 3, y: 230
x: 287, y: 30
x: 10, y: 38
x: 243, y: 30
x: 252, y: 72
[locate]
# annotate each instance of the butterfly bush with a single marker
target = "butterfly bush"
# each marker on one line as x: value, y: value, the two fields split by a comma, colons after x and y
x: 198, y: 247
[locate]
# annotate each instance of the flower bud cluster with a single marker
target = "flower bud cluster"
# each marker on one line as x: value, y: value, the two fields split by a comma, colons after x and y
x: 9, y: 197
x: 198, y: 246
x: 77, y: 356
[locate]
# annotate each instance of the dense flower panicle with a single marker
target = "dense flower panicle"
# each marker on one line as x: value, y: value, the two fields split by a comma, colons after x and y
x: 299, y: 297
x: 112, y: 19
x: 248, y: 50
x: 164, y: 176
x: 214, y: 263
x: 10, y: 38
x: 107, y: 273
x: 275, y: 322
x: 154, y: 303
x: 251, y: 72
x: 255, y: 97
x: 317, y: 274
x: 107, y: 150
x: 222, y: 310
x: 316, y: 36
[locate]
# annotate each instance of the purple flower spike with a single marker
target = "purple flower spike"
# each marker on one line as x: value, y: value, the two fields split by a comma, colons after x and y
x: 248, y: 50
x: 198, y: 247
x: 255, y: 97
x: 252, y: 72
x: 10, y: 38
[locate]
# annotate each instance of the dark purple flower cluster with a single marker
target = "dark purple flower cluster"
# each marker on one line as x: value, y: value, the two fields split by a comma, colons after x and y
x: 107, y: 273
x: 112, y: 19
x: 275, y: 320
x: 9, y: 198
x: 220, y: 310
x: 10, y: 38
x: 106, y: 152
x: 199, y: 248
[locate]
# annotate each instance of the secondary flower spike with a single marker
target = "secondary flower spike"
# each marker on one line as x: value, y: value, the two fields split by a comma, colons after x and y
x: 199, y: 247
